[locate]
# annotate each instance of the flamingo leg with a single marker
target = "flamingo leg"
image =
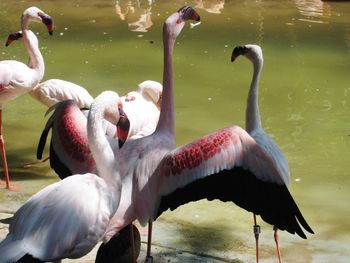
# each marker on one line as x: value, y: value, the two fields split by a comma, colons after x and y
x: 132, y: 240
x: 277, y: 246
x: 149, y: 258
x: 3, y: 154
x: 257, y: 231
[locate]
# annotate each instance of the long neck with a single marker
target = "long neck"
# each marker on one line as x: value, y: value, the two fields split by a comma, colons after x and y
x: 100, y: 147
x: 253, y: 120
x: 36, y: 61
x: 167, y: 113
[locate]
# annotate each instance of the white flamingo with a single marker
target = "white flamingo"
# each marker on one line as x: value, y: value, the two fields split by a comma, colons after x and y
x: 228, y: 165
x: 254, y: 126
x: 142, y: 108
x: 68, y: 218
x: 16, y: 78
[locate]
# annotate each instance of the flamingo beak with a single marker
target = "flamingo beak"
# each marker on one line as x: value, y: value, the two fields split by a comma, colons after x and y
x: 47, y: 21
x: 237, y: 51
x: 123, y: 127
x: 12, y: 37
x: 8, y: 42
x: 187, y: 13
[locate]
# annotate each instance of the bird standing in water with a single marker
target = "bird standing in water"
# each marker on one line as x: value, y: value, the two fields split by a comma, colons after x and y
x: 16, y: 78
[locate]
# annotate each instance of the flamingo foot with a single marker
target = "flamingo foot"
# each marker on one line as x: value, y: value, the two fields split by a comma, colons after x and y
x: 277, y: 246
x: 13, y: 187
x: 31, y: 164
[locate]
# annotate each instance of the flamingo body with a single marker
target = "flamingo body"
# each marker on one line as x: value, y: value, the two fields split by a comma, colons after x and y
x: 68, y: 218
x: 53, y: 91
x: 69, y: 151
x: 52, y: 214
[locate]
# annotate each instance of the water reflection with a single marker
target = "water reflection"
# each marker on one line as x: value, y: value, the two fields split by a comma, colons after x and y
x: 136, y: 13
x: 314, y: 11
x: 210, y: 6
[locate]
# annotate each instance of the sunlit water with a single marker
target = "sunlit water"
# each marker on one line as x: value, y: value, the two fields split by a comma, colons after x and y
x: 304, y: 102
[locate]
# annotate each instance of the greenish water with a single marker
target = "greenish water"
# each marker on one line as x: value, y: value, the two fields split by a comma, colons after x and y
x: 304, y: 102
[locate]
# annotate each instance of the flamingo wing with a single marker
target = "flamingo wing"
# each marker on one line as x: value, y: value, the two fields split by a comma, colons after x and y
x: 69, y: 149
x: 65, y: 219
x: 230, y: 166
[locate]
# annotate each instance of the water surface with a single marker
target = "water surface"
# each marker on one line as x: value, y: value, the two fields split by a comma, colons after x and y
x: 304, y: 102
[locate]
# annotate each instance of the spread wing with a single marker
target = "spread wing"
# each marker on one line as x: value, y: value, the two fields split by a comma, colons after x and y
x: 230, y: 166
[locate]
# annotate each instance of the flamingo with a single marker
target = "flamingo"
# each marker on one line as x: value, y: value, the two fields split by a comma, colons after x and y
x: 67, y: 219
x: 69, y: 151
x: 142, y: 108
x: 16, y: 78
x: 139, y: 158
x: 254, y: 127
x: 228, y: 165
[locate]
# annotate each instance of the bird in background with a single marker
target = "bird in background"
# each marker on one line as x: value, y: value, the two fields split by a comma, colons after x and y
x: 254, y: 125
x: 68, y: 218
x: 16, y: 78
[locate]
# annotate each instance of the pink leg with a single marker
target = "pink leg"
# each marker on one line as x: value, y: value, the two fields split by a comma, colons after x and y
x: 3, y: 154
x: 149, y: 258
x: 277, y: 246
x: 257, y: 232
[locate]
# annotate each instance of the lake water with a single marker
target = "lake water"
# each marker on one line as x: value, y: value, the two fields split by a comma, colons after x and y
x: 304, y: 103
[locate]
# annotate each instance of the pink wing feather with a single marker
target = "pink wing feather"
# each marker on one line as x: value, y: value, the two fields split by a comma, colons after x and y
x: 222, y: 150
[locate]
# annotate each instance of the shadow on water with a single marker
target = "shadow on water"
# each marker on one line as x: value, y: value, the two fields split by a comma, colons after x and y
x: 203, y: 239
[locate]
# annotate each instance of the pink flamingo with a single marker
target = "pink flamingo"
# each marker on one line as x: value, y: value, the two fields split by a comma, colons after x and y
x: 228, y: 165
x: 255, y: 129
x: 16, y: 78
x: 69, y: 151
x: 139, y: 158
x: 68, y: 218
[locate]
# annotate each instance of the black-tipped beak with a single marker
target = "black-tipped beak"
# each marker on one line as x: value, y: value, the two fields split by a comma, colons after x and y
x: 48, y: 22
x: 188, y: 13
x: 123, y: 127
x: 237, y: 51
x: 12, y: 37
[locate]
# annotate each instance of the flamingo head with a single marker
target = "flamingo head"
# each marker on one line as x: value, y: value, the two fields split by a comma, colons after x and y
x: 13, y: 36
x: 252, y: 52
x: 174, y: 23
x: 37, y: 15
x: 123, y: 126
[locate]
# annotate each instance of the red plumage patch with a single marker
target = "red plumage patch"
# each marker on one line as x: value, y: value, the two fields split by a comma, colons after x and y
x: 193, y: 154
x: 72, y: 139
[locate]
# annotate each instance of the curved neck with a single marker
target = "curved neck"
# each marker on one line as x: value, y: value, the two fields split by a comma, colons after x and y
x: 36, y: 61
x: 167, y: 114
x: 100, y: 147
x: 253, y: 120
